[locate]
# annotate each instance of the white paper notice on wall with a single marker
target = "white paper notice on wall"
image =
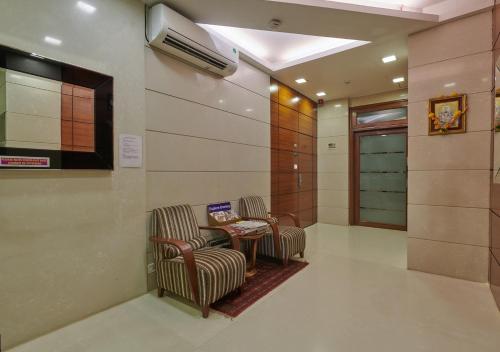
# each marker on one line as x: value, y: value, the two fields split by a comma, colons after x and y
x: 130, y: 150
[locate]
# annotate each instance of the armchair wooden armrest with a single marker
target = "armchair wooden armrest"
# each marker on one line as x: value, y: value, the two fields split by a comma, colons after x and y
x: 235, y: 238
x: 187, y: 253
x: 294, y: 217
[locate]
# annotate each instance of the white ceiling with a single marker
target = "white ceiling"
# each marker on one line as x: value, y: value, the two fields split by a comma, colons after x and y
x: 277, y: 50
x: 386, y: 29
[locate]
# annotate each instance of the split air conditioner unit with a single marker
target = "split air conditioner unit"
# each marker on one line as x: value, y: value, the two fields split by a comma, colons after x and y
x: 178, y: 36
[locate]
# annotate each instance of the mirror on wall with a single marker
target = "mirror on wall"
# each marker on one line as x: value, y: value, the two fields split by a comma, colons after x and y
x: 53, y: 115
x: 496, y: 134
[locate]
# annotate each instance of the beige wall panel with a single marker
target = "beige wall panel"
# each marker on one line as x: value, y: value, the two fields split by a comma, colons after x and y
x: 449, y: 259
x: 334, y: 109
x: 449, y: 224
x: 29, y: 128
x: 333, y: 181
x: 333, y: 127
x: 28, y: 80
x: 170, y: 76
x: 195, y: 188
x: 251, y: 78
x: 463, y: 188
x: 333, y: 163
x: 469, y: 74
x: 472, y: 34
x: 334, y: 216
x: 33, y: 101
x: 451, y: 152
x: 168, y: 152
x: 333, y: 199
x: 169, y: 114
x: 87, y: 239
x: 341, y: 146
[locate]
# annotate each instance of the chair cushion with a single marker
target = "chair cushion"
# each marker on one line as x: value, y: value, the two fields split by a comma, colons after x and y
x: 293, y: 241
x: 220, y: 271
x: 253, y: 206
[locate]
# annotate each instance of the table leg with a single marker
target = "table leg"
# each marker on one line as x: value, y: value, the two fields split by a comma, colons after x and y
x: 251, y: 270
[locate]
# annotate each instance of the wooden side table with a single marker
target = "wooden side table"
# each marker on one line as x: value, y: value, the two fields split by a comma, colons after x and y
x: 254, y: 238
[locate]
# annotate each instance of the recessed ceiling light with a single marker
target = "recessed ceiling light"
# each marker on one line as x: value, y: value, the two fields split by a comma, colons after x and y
x: 295, y: 99
x: 301, y: 80
x: 321, y: 94
x: 449, y: 85
x: 53, y: 41
x: 249, y: 110
x: 388, y: 59
x: 338, y: 105
x: 85, y: 7
x: 398, y: 80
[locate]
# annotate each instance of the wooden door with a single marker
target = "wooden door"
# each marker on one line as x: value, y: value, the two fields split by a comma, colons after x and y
x: 293, y: 155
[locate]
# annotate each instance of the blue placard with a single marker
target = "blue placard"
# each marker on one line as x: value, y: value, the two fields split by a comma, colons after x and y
x: 226, y: 206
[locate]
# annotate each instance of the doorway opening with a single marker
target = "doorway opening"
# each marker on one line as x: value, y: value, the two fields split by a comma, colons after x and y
x: 378, y: 165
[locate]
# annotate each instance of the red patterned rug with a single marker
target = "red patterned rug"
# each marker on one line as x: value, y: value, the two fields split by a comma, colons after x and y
x: 270, y: 274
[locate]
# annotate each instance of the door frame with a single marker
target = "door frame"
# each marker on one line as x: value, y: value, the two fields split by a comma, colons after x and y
x: 374, y: 128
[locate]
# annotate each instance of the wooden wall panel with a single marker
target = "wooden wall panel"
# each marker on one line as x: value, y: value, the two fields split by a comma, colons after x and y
x: 275, y: 114
x: 288, y: 140
x: 77, y: 118
x: 306, y: 124
x: 294, y: 139
x: 288, y: 97
x: 305, y: 144
x: 288, y: 203
x: 307, y: 107
x: 288, y: 118
x: 306, y: 217
x: 288, y: 183
x: 305, y: 200
x: 288, y: 162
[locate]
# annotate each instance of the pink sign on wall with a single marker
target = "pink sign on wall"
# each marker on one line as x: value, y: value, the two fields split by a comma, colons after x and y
x: 24, y: 161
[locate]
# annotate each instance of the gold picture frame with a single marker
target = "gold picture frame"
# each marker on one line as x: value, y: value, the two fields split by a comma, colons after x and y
x: 448, y: 115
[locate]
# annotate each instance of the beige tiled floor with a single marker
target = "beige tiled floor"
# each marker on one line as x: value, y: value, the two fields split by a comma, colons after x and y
x: 354, y: 296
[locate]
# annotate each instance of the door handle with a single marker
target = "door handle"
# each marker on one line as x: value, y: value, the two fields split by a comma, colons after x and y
x: 300, y: 181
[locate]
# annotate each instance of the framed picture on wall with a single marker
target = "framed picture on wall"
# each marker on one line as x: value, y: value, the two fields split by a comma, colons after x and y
x: 448, y: 115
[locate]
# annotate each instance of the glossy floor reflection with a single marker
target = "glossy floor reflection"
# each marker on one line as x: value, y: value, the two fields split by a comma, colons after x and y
x: 355, y: 296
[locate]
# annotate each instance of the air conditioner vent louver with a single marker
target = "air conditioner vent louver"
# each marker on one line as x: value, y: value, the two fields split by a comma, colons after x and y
x: 169, y: 40
x: 178, y: 36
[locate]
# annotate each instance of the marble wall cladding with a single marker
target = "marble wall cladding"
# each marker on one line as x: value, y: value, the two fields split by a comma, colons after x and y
x: 333, y: 162
x: 449, y: 176
x: 207, y: 138
x: 72, y: 242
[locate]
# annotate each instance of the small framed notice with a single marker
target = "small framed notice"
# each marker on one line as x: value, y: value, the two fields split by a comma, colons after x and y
x: 130, y: 150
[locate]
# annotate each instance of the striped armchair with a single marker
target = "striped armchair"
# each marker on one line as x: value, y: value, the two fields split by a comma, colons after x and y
x: 186, y: 266
x: 282, y: 242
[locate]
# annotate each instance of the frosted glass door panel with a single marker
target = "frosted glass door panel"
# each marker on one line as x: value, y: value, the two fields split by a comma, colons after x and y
x: 383, y: 179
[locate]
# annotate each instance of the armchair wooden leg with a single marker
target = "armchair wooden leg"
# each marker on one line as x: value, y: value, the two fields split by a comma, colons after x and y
x: 204, y: 311
x: 285, y: 261
x: 161, y: 292
x: 302, y: 254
